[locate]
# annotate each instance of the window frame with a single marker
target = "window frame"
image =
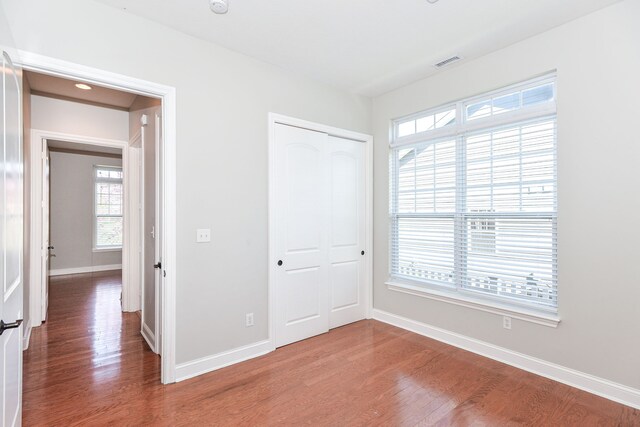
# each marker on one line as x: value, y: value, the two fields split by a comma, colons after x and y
x: 462, y: 128
x: 96, y: 181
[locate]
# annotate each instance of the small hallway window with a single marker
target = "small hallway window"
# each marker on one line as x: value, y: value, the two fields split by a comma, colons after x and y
x: 108, y: 207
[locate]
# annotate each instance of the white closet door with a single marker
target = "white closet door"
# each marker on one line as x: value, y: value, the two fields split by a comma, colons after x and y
x: 301, y: 235
x: 347, y: 285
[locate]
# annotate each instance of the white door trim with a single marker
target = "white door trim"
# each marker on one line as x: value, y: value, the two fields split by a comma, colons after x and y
x: 333, y: 131
x: 52, y: 66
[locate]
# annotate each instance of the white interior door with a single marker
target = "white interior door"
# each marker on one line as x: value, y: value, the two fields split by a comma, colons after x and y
x: 320, y: 233
x: 347, y: 278
x: 301, y: 278
x: 46, y: 241
x: 152, y: 239
x: 11, y: 206
x: 158, y: 233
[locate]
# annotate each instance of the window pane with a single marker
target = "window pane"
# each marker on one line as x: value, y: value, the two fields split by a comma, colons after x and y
x: 506, y: 103
x: 102, y: 187
x: 537, y: 95
x: 405, y: 180
x: 115, y: 200
x: 479, y: 110
x: 103, y: 199
x: 512, y: 169
x: 407, y: 128
x: 446, y: 118
x: 108, y: 231
x: 426, y: 123
x: 116, y: 210
x: 102, y: 173
x: 512, y: 258
x: 424, y: 249
x: 102, y: 210
x: 427, y: 178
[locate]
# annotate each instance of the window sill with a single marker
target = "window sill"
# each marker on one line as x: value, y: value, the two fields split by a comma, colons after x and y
x: 118, y: 249
x: 533, y: 316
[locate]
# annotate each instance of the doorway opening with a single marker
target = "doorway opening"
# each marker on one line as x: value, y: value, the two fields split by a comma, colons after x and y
x: 95, y: 223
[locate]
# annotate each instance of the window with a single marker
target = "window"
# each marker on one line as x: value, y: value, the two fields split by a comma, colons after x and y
x: 108, y: 208
x: 473, y: 203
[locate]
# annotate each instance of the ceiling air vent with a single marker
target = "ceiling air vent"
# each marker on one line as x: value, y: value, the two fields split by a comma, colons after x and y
x: 447, y: 61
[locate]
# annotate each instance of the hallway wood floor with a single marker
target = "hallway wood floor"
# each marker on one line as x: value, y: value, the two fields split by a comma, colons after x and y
x: 88, y: 365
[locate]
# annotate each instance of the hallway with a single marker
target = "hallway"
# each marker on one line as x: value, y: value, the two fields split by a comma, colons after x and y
x: 77, y: 361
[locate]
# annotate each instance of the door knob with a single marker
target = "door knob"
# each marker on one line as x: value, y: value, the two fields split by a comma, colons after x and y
x: 50, y: 247
x: 158, y: 265
x: 362, y: 253
x: 4, y: 326
x: 279, y: 262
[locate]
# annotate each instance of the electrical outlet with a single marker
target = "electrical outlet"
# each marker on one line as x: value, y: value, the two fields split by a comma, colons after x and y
x: 249, y: 319
x: 203, y: 235
x: 506, y: 322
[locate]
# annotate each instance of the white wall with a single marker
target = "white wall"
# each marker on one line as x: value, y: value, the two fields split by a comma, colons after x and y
x: 223, y: 102
x: 71, y: 214
x: 598, y: 66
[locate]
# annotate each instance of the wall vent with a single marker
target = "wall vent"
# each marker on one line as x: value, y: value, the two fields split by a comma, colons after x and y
x: 448, y: 61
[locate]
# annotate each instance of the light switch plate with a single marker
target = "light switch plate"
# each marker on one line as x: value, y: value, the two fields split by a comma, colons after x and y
x: 203, y: 235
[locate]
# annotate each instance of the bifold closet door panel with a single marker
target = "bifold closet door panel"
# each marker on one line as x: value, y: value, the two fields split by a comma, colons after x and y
x: 302, y: 232
x: 347, y: 231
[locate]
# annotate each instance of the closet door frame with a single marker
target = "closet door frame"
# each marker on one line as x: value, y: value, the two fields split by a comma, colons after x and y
x: 275, y: 119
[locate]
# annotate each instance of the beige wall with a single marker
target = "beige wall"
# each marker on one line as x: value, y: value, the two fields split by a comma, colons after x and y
x: 73, y: 188
x: 223, y: 101
x: 598, y: 63
x: 57, y: 115
x: 71, y: 214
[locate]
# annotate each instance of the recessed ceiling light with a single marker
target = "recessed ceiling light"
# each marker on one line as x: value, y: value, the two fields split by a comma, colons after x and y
x: 83, y: 86
x: 219, y: 6
x: 432, y: 1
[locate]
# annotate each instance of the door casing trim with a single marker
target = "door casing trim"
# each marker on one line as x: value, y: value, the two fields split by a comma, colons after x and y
x: 56, y: 67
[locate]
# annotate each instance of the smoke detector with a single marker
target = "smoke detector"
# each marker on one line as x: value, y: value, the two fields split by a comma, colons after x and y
x: 219, y: 6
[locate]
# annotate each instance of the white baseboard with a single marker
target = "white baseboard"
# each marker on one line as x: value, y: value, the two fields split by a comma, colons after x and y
x: 608, y: 389
x: 149, y: 337
x: 26, y: 336
x: 89, y: 269
x: 201, y: 366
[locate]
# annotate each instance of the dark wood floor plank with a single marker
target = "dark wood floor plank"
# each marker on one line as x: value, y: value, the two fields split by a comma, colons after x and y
x: 88, y: 365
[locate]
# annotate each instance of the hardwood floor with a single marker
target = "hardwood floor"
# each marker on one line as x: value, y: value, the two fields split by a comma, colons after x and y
x: 88, y: 365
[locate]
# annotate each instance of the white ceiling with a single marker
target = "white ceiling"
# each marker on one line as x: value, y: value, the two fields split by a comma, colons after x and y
x: 363, y: 46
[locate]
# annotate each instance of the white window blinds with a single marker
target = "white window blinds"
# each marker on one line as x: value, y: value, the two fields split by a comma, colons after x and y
x: 108, y: 224
x: 473, y: 201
